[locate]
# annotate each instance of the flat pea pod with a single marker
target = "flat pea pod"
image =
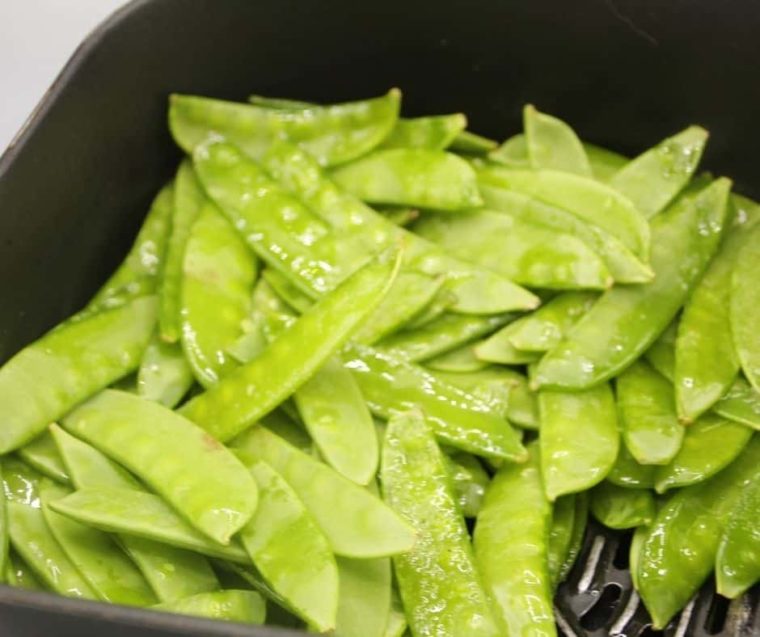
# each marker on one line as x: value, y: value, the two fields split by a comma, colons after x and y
x: 622, y: 508
x: 510, y: 542
x: 560, y: 535
x: 492, y: 385
x: 458, y: 419
x: 333, y: 134
x: 164, y: 375
x: 655, y: 177
x: 411, y: 177
x: 336, y: 416
x: 744, y: 303
x: 461, y: 360
x: 399, y: 215
x: 604, y: 162
x: 439, y: 572
x: 18, y: 574
x: 648, y: 420
x: 627, y: 319
x: 434, y: 132
x: 288, y: 293
x: 709, y: 445
x: 230, y: 605
x: 364, y: 528
x: 218, y: 271
x: 552, y: 144
x: 4, y: 535
x: 677, y: 552
x: 281, y: 103
x: 568, y: 421
x: 253, y: 390
x: 513, y: 152
x: 280, y: 523
x: 580, y: 521
x: 49, y: 377
x: 468, y: 481
x: 626, y: 472
x: 472, y: 144
x: 740, y: 404
x: 137, y: 433
x: 42, y: 455
x: 364, y: 605
x: 662, y: 354
x: 737, y: 565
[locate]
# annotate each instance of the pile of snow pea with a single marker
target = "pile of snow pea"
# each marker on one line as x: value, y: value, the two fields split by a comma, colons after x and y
x: 370, y: 376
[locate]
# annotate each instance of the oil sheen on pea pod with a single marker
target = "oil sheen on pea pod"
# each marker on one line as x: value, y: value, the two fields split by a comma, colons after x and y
x: 306, y: 578
x: 469, y: 481
x: 678, y: 551
x: 439, y: 572
x: 745, y: 298
x: 364, y: 605
x: 411, y: 177
x: 653, y: 179
x: 333, y: 134
x: 242, y: 606
x: 42, y: 454
x: 620, y: 508
x: 70, y: 363
x: 356, y: 522
x: 740, y: 404
x: 434, y: 132
x: 560, y: 535
x: 709, y: 445
x: 510, y: 542
x: 493, y: 385
x: 737, y: 566
x: 648, y: 420
x: 626, y: 472
x: 253, y: 390
x: 140, y: 434
x: 552, y: 144
x: 627, y: 319
x: 568, y: 421
x: 164, y: 375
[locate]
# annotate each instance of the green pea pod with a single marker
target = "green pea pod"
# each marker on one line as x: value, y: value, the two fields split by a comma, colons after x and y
x: 333, y: 134
x: 472, y: 144
x: 434, y: 132
x: 492, y: 385
x: 738, y: 560
x: 138, y: 434
x: 280, y: 523
x: 439, y: 572
x: 18, y: 574
x: 740, y: 404
x: 677, y: 552
x: 513, y: 152
x: 280, y: 103
x: 654, y: 178
x: 662, y: 354
x: 604, y: 162
x: 230, y: 605
x: 288, y: 293
x: 458, y: 360
x: 622, y: 508
x: 164, y: 375
x: 42, y: 455
x: 399, y: 215
x: 510, y: 542
x: 626, y: 320
x: 560, y: 535
x: 568, y: 463
x: 710, y: 444
x: 364, y: 605
x: 744, y: 303
x: 468, y: 482
x: 4, y: 539
x: 523, y: 405
x: 552, y: 144
x: 411, y: 177
x: 365, y: 527
x: 49, y: 377
x: 580, y: 521
x: 646, y: 406
x: 458, y: 419
x: 626, y: 472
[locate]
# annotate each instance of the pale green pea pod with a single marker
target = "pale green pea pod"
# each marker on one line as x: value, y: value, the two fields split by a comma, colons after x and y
x: 439, y: 572
x: 498, y: 348
x: 434, y: 132
x: 47, y: 378
x: 164, y: 375
x: 246, y: 607
x: 740, y: 404
x: 281, y: 103
x: 458, y: 360
x: 626, y: 472
x: 552, y: 144
x: 42, y: 454
x: 621, y: 508
x: 604, y: 162
x: 744, y: 303
x: 662, y: 354
x: 472, y: 144
x: 468, y: 481
x: 364, y: 604
x: 513, y: 152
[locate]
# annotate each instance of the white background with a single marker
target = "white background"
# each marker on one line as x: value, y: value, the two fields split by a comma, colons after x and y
x: 36, y: 39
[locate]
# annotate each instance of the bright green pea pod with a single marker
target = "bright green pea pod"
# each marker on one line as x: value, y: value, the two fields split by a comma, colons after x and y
x: 337, y: 418
x: 434, y: 132
x: 745, y: 298
x: 627, y: 319
x: 399, y: 215
x: 740, y: 404
x: 604, y: 162
x: 622, y: 508
x: 4, y: 539
x: 288, y: 293
x: 677, y: 552
x: 468, y: 482
x: 492, y: 385
x: 560, y: 535
x: 439, y: 573
x: 472, y: 144
x: 164, y: 375
x: 247, y: 607
x: 626, y: 472
x: 281, y: 103
x: 356, y: 522
x: 458, y: 360
x: 18, y: 574
x: 139, y: 434
x: 654, y: 178
x: 552, y: 144
x: 282, y: 522
x: 333, y: 134
x: 364, y: 605
x: 568, y: 421
x: 710, y: 444
x: 737, y: 566
x: 523, y: 405
x: 217, y: 276
x: 70, y: 363
x: 580, y: 521
x: 411, y: 177
x: 513, y: 152
x: 510, y: 542
x: 519, y: 249
x: 662, y: 354
x: 648, y: 421
x: 458, y: 419
x: 262, y: 384
x: 133, y: 512
x: 42, y: 455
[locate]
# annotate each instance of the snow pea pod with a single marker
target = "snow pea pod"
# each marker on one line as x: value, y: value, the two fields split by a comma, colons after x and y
x: 580, y: 521
x: 458, y: 360
x: 560, y: 535
x: 230, y: 605
x: 4, y: 539
x: 740, y: 404
x: 646, y: 406
x: 568, y: 463
x: 333, y: 134
x: 472, y: 144
x: 288, y: 293
x: 492, y: 385
x: 604, y: 162
x: 510, y: 542
x: 18, y: 574
x: 627, y: 319
x: 655, y: 177
x: 626, y: 472
x: 434, y: 132
x: 513, y: 152
x: 468, y: 482
x: 709, y: 445
x: 137, y: 434
x: 411, y: 177
x: 439, y: 572
x: 365, y: 528
x: 164, y: 375
x: 47, y: 378
x: 42, y: 454
x: 745, y: 298
x: 364, y: 605
x: 621, y: 508
x: 662, y: 354
x: 552, y: 144
x: 399, y: 215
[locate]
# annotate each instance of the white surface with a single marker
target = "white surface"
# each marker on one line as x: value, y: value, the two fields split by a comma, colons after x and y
x: 36, y: 39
